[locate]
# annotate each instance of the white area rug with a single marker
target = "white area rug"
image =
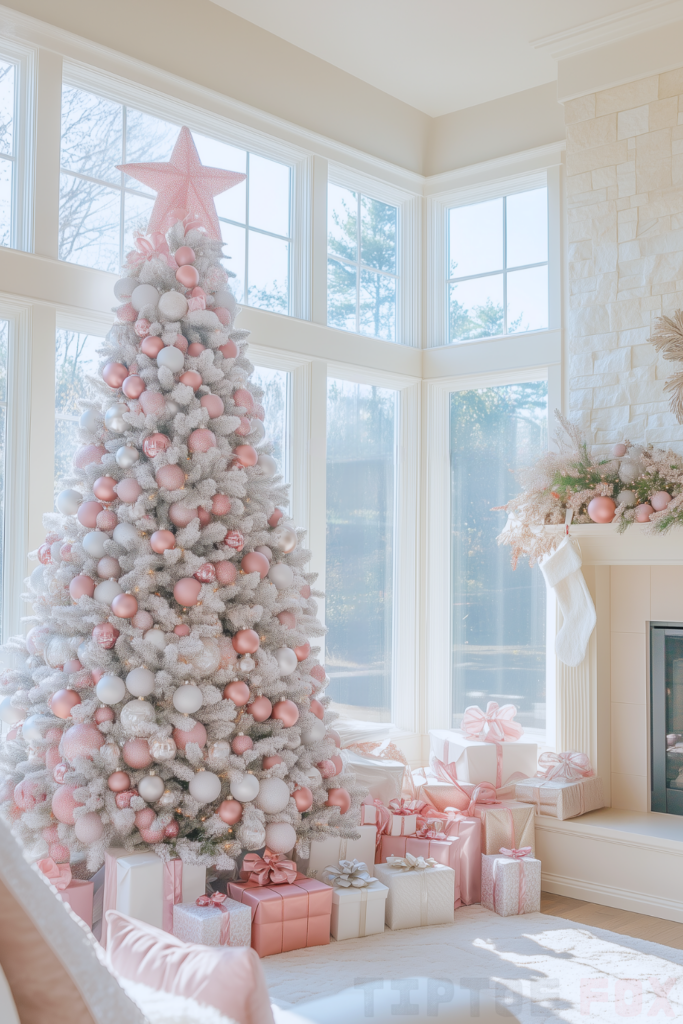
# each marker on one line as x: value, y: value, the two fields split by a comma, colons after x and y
x: 545, y: 969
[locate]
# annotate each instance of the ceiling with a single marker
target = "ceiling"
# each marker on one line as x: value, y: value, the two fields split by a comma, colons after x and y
x: 436, y: 55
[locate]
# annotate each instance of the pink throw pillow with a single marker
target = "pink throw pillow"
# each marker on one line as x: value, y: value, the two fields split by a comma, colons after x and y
x: 228, y: 977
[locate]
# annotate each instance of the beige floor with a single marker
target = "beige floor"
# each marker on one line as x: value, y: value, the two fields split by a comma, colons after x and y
x: 638, y: 926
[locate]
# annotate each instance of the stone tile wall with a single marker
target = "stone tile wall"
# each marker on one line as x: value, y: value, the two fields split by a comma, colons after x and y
x: 625, y: 256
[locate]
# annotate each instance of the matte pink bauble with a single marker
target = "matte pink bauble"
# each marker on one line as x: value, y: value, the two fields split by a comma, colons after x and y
x: 108, y: 568
x: 234, y: 539
x: 119, y: 782
x: 272, y: 761
x: 28, y: 793
x: 142, y: 620
x: 203, y: 516
x: 286, y: 712
x: 152, y: 346
x: 318, y: 672
x: 105, y: 635
x: 71, y: 666
x: 246, y: 641
x: 254, y: 562
x: 302, y: 651
x: 126, y: 313
x: 180, y: 343
x: 326, y: 768
x: 601, y: 510
x: 80, y: 741
x: 182, y: 630
x: 213, y: 405
x: 338, y: 798
x: 226, y: 573
x: 229, y: 350
x: 187, y: 276
x: 155, y: 443
x: 660, y: 500
x: 245, y: 454
x: 129, y: 490
x: 144, y: 817
x: 230, y: 811
x: 181, y: 515
x: 619, y: 450
x: 81, y: 585
x: 195, y: 349
x: 240, y: 744
x: 89, y: 828
x: 184, y: 256
x: 123, y: 799
x: 62, y: 702
x: 64, y: 805
x: 335, y: 737
x: 133, y: 386
x: 142, y: 327
x: 303, y: 798
x: 162, y: 540
x: 171, y: 477
x: 305, y: 591
x: 136, y: 753
x: 264, y: 550
x: 224, y: 315
x: 103, y: 488
x: 275, y: 517
x: 197, y: 734
x: 187, y: 591
x: 103, y: 715
x: 243, y: 398
x: 238, y: 692
x: 59, y: 772
x: 52, y: 758
x: 124, y: 605
x: 206, y: 573
x: 643, y: 513
x: 260, y: 709
x: 88, y: 512
x: 89, y: 454
x: 171, y: 830
x: 338, y: 764
x: 220, y: 504
x: 107, y: 520
x: 114, y: 374
x: 244, y: 428
x: 317, y: 709
x: 152, y: 402
x: 192, y: 379
x: 287, y: 619
x: 201, y: 440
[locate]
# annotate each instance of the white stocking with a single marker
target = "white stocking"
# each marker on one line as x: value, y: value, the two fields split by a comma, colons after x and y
x: 562, y: 572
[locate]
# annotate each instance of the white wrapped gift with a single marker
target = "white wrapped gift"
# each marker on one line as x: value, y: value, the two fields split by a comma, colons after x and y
x: 357, y: 900
x: 476, y: 761
x: 214, y: 920
x: 332, y: 849
x: 561, y: 798
x: 511, y: 883
x: 421, y: 892
x: 381, y: 776
x: 141, y: 885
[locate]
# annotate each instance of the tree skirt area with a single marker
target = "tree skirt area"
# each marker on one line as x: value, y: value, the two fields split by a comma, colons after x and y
x: 543, y: 968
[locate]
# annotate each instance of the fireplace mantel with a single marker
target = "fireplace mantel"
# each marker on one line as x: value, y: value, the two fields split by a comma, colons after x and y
x: 602, y: 545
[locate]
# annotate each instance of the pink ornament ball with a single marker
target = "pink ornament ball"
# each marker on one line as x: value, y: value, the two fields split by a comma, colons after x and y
x: 123, y: 799
x: 187, y: 276
x: 59, y: 772
x: 64, y: 805
x: 184, y: 256
x: 318, y: 672
x: 152, y: 402
x: 192, y: 379
x: 133, y: 386
x: 220, y: 505
x: 224, y: 315
x: 65, y: 552
x: 129, y: 490
x: 89, y: 828
x: 286, y: 712
x: 316, y: 708
x: 326, y: 769
x: 230, y: 811
x: 155, y: 443
x: 114, y: 374
x: 52, y: 758
x: 50, y: 834
x: 144, y: 817
x: 302, y: 652
x: 245, y: 454
x: 246, y: 641
x: 103, y: 488
x: 171, y: 830
x: 195, y: 349
x: 182, y: 630
x: 619, y: 451
x: 28, y: 793
x: 124, y: 606
x: 136, y: 753
x: 180, y: 343
x: 118, y: 782
x: 226, y: 573
x: 234, y: 539
x: 142, y: 620
x: 254, y: 562
x: 275, y: 517
x: 338, y: 798
x: 162, y: 540
x: 127, y: 314
x: 197, y: 734
x: 338, y: 764
x: 244, y: 427
x: 244, y: 399
x: 187, y: 591
x: 305, y: 591
x: 660, y: 500
x: 303, y: 798
x: 107, y: 520
x: 271, y: 762
x: 62, y: 702
x: 80, y: 741
x: 601, y: 510
x: 105, y: 635
x: 71, y: 666
x: 44, y: 554
x: 213, y: 405
x: 643, y: 513
x: 201, y: 440
x: 181, y: 515
x: 142, y: 327
x: 170, y: 477
x: 80, y: 586
x: 203, y: 516
x: 108, y: 568
x: 88, y: 512
x: 152, y: 346
x: 59, y: 853
x: 206, y: 573
x: 103, y: 715
x: 260, y: 709
x: 335, y: 737
x: 229, y: 350
x: 89, y: 454
x: 240, y: 744
x: 287, y: 619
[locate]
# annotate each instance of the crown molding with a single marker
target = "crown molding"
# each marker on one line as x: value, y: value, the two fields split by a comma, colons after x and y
x: 610, y: 29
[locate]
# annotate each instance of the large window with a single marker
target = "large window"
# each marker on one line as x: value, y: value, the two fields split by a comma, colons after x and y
x: 76, y: 359
x: 101, y: 208
x: 8, y: 144
x: 498, y: 266
x: 362, y: 275
x: 276, y: 386
x: 362, y: 426
x: 4, y: 352
x: 498, y: 615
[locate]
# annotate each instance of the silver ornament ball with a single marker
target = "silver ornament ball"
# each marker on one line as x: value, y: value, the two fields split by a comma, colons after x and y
x: 150, y: 788
x: 127, y: 456
x: 113, y: 418
x: 90, y: 420
x: 68, y: 501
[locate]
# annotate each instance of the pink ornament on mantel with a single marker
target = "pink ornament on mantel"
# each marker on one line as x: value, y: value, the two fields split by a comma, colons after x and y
x: 619, y: 451
x: 602, y: 509
x: 643, y: 513
x: 660, y: 501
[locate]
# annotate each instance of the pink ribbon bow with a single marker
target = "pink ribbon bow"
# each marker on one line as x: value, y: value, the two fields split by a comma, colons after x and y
x: 197, y: 300
x: 190, y: 220
x: 524, y: 851
x: 217, y: 899
x: 519, y: 856
x: 154, y: 247
x: 403, y: 807
x: 495, y: 725
x: 429, y: 833
x: 271, y: 869
x: 214, y: 900
x: 59, y: 874
x: 569, y: 765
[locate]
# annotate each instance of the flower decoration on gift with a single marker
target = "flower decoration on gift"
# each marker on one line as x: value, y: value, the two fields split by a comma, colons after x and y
x: 58, y: 874
x: 216, y: 899
x: 495, y: 725
x: 569, y: 766
x: 411, y: 863
x: 348, y: 874
x: 271, y: 869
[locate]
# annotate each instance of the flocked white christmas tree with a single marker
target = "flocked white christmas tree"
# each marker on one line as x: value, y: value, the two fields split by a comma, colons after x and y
x: 167, y: 694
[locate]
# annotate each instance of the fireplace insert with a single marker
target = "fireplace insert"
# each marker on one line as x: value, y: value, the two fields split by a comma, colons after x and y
x: 666, y: 716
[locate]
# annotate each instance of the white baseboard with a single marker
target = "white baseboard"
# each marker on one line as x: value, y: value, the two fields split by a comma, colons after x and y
x: 611, y: 896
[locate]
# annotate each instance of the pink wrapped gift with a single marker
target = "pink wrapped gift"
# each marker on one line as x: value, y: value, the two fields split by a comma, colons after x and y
x: 565, y: 786
x: 511, y: 882
x: 444, y: 849
x: 78, y: 894
x: 288, y: 910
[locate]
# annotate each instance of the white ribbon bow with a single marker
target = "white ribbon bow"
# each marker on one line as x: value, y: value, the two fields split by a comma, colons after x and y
x: 347, y: 874
x: 411, y: 863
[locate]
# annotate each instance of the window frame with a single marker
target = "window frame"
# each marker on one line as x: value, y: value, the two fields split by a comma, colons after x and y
x: 23, y: 159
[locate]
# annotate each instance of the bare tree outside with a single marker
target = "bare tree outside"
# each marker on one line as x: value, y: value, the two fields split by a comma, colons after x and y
x: 7, y: 101
x: 75, y: 360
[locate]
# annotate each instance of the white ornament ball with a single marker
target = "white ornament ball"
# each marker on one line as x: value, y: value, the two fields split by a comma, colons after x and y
x: 223, y: 297
x: 273, y: 796
x: 89, y: 828
x: 150, y: 788
x: 187, y: 699
x: 280, y: 837
x: 93, y: 544
x: 172, y: 306
x: 314, y: 777
x: 172, y: 358
x: 140, y: 682
x: 170, y: 410
x: 284, y: 538
x: 205, y: 787
x: 56, y: 550
x: 68, y: 501
x: 314, y: 733
x: 136, y: 716
x: 34, y: 726
x: 627, y: 498
x: 57, y: 651
x: 208, y: 660
x: 267, y: 465
x: 144, y: 295
x: 90, y: 420
x: 245, y: 789
x: 113, y: 418
x: 110, y: 689
x: 156, y: 637
x: 286, y: 660
x: 124, y: 288
x: 106, y: 592
x: 127, y: 456
x: 258, y: 428
x: 281, y: 575
x: 125, y: 534
x: 9, y: 714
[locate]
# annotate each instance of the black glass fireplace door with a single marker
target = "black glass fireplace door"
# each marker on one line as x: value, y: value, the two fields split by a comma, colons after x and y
x: 666, y: 717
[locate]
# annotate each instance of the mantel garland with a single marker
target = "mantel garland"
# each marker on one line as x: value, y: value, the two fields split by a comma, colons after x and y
x: 645, y: 484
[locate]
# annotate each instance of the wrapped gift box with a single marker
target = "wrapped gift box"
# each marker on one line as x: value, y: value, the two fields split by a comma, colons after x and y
x: 418, y: 898
x: 438, y: 793
x: 286, y: 917
x: 79, y: 896
x: 381, y: 776
x: 476, y: 761
x: 468, y: 831
x: 358, y: 912
x: 509, y: 823
x: 333, y: 849
x: 213, y: 924
x: 501, y: 878
x: 446, y: 851
x: 561, y: 798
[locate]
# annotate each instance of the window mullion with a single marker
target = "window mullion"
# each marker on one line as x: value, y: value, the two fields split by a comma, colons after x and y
x: 359, y: 254
x: 246, y: 236
x: 122, y: 219
x: 505, y: 266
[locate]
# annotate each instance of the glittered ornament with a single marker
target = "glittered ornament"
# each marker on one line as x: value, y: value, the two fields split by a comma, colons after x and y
x: 260, y: 709
x: 220, y: 505
x: 303, y: 798
x: 238, y: 692
x: 197, y: 734
x: 326, y: 768
x: 136, y: 753
x: 118, y: 782
x: 254, y: 562
x: 286, y: 712
x: 226, y: 573
x: 241, y: 743
x: 153, y: 403
x: 28, y: 793
x: 244, y: 399
x: 142, y: 620
x: 273, y: 796
x: 108, y: 568
x: 62, y: 702
x: 280, y: 837
x: 107, y: 520
x: 142, y: 327
x: 80, y: 741
x: 230, y: 811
